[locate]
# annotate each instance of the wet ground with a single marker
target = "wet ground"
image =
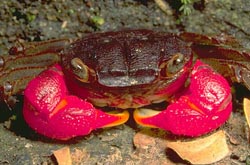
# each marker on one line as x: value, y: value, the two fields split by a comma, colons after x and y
x: 30, y: 20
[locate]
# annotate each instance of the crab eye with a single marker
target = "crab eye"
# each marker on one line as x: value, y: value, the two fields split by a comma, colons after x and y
x: 80, y: 69
x: 174, y: 65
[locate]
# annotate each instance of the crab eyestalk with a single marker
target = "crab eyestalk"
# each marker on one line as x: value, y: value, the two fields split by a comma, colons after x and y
x: 204, y: 106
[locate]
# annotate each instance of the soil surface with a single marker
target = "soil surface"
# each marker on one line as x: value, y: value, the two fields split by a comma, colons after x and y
x: 30, y: 20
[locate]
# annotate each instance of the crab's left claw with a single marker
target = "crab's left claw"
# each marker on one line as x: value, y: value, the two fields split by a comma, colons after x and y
x: 50, y: 110
x: 203, y: 107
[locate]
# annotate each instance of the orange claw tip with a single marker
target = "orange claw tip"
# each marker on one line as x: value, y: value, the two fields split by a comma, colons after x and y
x: 144, y: 117
x: 111, y: 119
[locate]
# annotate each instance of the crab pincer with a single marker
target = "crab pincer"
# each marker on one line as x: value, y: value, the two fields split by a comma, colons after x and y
x: 50, y: 109
x: 204, y: 106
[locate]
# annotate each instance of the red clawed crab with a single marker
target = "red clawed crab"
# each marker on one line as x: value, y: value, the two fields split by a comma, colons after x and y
x: 124, y: 69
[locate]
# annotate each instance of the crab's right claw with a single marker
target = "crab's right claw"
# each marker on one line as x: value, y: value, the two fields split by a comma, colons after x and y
x: 203, y: 107
x: 50, y: 111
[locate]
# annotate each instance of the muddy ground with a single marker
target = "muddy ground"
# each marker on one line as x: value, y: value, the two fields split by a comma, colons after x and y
x: 31, y: 20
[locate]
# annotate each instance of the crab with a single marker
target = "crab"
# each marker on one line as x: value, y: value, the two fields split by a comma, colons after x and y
x: 67, y: 84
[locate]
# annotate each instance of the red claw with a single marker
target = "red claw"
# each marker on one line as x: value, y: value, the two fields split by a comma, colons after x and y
x: 51, y: 111
x: 203, y: 107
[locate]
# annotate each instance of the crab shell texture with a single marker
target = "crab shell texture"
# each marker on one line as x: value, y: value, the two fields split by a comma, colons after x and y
x: 127, y: 69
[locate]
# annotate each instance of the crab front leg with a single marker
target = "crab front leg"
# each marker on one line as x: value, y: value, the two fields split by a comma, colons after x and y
x: 204, y: 106
x: 50, y: 110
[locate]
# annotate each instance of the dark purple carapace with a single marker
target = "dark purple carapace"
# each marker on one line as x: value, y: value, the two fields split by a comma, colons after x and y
x: 127, y: 58
x: 127, y: 61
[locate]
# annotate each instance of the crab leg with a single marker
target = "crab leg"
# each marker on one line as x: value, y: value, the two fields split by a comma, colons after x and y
x: 232, y: 64
x: 204, y: 106
x: 26, y: 60
x: 225, y: 54
x: 50, y: 110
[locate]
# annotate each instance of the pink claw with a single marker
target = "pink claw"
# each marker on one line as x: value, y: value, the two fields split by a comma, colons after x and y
x: 51, y: 111
x: 203, y: 107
